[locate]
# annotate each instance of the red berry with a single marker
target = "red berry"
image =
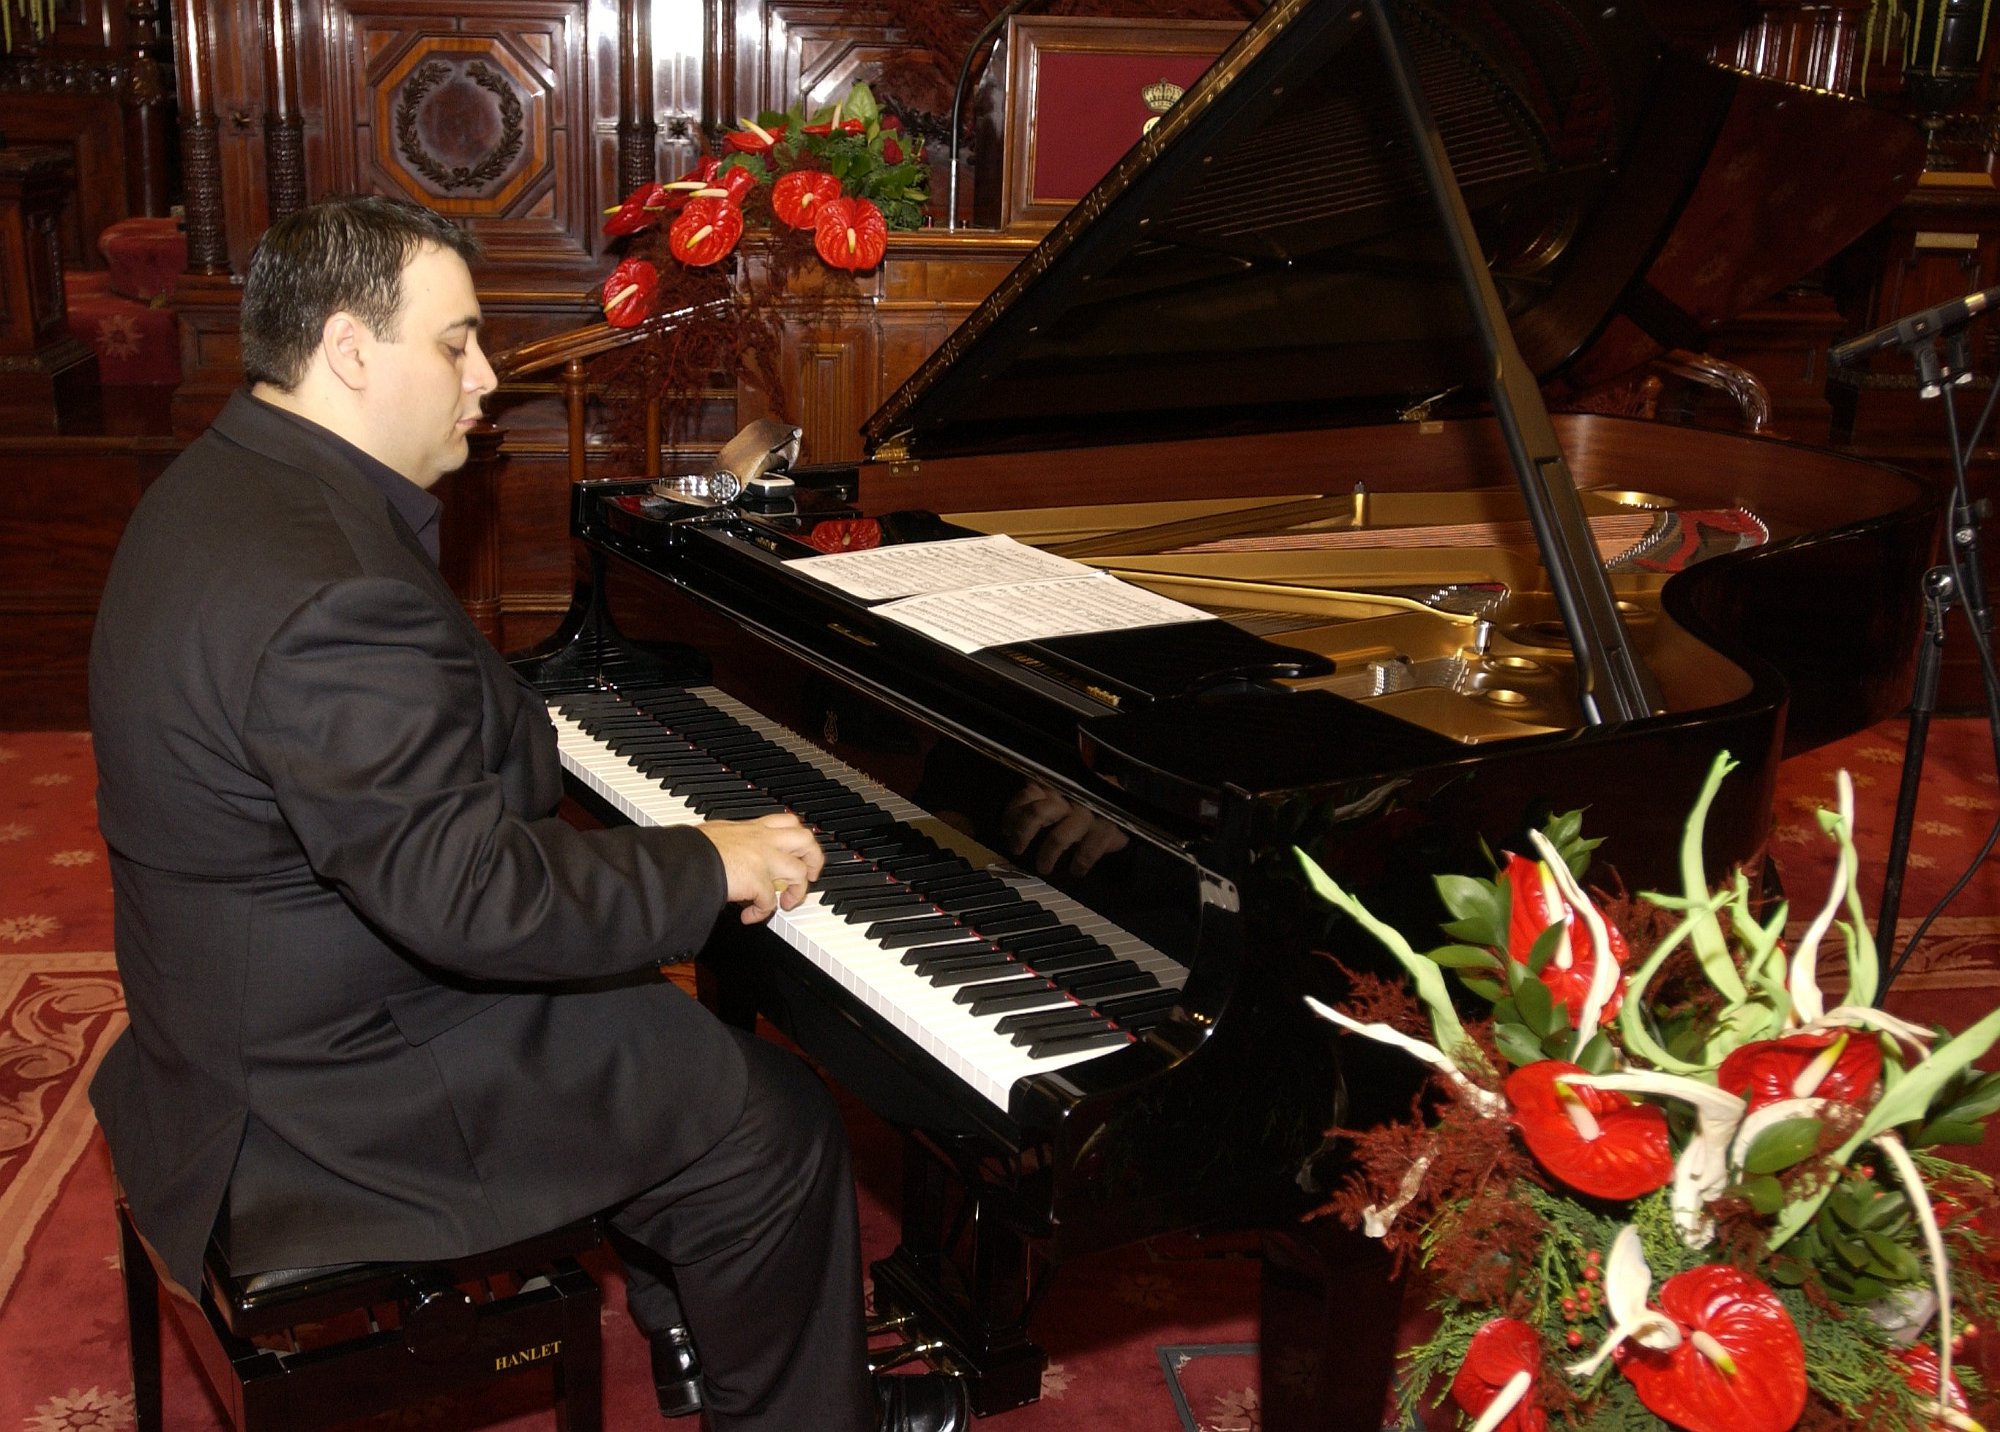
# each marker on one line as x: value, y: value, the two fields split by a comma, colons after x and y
x: 1573, y: 1338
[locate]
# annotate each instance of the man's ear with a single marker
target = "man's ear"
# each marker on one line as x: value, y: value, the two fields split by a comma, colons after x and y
x: 344, y: 343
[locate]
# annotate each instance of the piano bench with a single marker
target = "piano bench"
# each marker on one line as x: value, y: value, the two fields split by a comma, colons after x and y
x: 298, y: 1349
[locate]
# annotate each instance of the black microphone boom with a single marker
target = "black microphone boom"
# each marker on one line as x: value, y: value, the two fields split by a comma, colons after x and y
x: 1925, y: 324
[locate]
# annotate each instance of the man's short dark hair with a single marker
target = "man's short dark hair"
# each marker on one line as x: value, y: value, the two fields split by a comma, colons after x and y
x: 343, y: 254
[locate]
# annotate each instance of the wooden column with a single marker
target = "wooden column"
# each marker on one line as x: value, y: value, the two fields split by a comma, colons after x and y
x: 201, y: 143
x: 1816, y: 43
x: 637, y: 133
x: 284, y: 126
x: 146, y: 116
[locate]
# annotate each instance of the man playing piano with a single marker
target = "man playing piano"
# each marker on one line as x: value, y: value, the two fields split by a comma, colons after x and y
x: 385, y: 1005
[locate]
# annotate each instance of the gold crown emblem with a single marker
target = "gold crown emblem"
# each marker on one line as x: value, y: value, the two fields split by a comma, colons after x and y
x: 1160, y: 95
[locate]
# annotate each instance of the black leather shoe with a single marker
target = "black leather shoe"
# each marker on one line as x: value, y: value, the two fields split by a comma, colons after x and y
x: 923, y: 1402
x: 676, y: 1373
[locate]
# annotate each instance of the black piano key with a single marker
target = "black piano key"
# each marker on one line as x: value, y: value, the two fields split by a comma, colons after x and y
x: 901, y: 934
x: 1060, y: 1023
x: 872, y: 908
x: 1093, y: 974
x: 1070, y: 1044
x: 963, y: 902
x: 951, y: 959
x: 1162, y: 1001
x: 1063, y: 961
x: 1029, y: 1021
x: 944, y: 949
x: 868, y: 879
x: 1096, y: 990
x: 994, y: 969
x: 990, y: 999
x: 1014, y: 923
x: 1060, y: 935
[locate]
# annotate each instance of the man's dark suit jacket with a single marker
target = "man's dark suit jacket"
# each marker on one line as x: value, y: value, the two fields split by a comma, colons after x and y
x: 342, y: 894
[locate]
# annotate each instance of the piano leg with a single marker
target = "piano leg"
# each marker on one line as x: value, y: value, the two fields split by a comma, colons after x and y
x: 973, y: 1297
x: 1330, y: 1311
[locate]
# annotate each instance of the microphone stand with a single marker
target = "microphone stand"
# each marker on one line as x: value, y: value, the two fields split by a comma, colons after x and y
x: 1958, y: 581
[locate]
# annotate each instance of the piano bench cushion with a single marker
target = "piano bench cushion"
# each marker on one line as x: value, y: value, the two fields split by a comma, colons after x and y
x: 271, y: 1300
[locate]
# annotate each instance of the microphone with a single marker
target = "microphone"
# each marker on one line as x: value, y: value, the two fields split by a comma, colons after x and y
x: 1926, y: 323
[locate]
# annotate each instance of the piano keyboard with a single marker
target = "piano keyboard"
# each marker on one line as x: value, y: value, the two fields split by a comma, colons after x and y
x: 994, y: 973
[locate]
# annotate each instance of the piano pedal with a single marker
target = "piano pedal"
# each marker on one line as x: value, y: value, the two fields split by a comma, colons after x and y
x: 882, y: 1359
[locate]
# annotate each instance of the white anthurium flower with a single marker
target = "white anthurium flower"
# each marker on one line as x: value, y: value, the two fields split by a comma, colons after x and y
x: 1702, y: 1170
x: 1604, y: 971
x: 1485, y: 1100
x: 1854, y: 1016
x: 1505, y: 1401
x: 1628, y: 1283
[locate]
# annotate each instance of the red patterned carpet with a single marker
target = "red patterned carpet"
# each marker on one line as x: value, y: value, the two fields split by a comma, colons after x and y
x: 1149, y: 1339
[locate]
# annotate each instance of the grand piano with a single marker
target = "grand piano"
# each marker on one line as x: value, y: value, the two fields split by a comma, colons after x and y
x: 1281, y: 375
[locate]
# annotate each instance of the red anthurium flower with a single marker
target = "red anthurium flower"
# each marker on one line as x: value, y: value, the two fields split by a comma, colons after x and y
x: 892, y: 152
x: 706, y: 231
x: 1597, y: 1141
x: 697, y: 178
x: 851, y: 234
x: 1739, y: 1367
x: 1842, y: 1065
x: 796, y: 197
x: 889, y: 121
x: 737, y: 181
x: 642, y: 209
x: 1500, y: 1350
x: 1534, y: 903
x: 753, y: 138
x: 628, y: 293
x: 845, y: 534
x: 1920, y: 1370
x: 846, y: 126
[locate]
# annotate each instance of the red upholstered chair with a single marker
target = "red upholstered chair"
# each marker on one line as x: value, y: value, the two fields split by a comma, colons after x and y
x: 122, y: 313
x: 306, y: 1348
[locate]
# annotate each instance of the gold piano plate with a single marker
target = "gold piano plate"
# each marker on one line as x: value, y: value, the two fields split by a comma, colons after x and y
x: 1433, y: 606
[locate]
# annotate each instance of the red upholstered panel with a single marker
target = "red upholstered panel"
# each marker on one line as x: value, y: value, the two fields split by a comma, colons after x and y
x: 145, y: 256
x: 1089, y: 109
x: 135, y: 342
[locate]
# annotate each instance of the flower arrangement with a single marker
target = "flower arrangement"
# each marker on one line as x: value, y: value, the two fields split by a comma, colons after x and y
x: 1663, y: 1182
x: 847, y: 175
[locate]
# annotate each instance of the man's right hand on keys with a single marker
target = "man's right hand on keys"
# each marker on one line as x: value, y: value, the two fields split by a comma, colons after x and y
x: 769, y: 862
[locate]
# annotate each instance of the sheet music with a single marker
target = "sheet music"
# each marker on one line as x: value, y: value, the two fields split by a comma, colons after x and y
x: 918, y: 568
x: 974, y: 592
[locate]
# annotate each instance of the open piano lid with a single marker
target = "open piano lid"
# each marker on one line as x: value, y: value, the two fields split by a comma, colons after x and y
x: 1268, y: 259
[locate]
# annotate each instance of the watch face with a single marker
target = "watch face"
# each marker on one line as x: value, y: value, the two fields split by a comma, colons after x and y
x: 706, y: 489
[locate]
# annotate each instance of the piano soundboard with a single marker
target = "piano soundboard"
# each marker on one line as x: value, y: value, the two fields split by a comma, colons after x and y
x: 991, y: 971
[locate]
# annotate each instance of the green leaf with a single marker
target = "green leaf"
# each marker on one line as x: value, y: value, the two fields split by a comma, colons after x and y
x: 860, y: 103
x: 1892, y: 1259
x: 1783, y: 1144
x: 1851, y: 1253
x: 1979, y: 1098
x: 1537, y: 1008
x: 1884, y: 1210
x: 1518, y: 1044
x: 1545, y: 947
x: 1464, y: 957
x: 1486, y: 989
x: 1948, y: 1130
x: 1598, y: 1056
x: 1765, y: 1194
x: 1478, y: 913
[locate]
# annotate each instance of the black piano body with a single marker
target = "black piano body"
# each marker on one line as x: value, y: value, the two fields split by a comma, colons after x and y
x: 1179, y: 342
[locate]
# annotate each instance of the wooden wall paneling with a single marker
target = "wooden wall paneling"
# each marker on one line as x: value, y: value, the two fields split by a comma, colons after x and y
x: 89, y: 126
x: 63, y: 505
x: 807, y: 49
